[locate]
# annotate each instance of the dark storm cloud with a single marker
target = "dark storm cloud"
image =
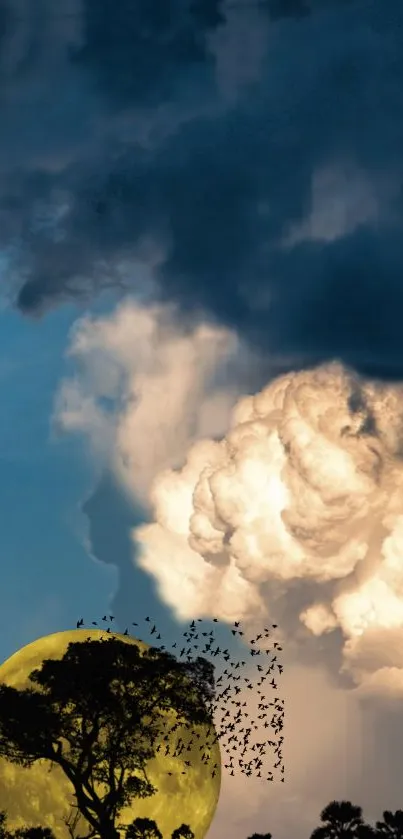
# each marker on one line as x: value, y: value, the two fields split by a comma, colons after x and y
x: 217, y: 186
x: 144, y: 53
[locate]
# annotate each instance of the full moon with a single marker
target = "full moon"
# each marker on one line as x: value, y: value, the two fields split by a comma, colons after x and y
x: 42, y: 795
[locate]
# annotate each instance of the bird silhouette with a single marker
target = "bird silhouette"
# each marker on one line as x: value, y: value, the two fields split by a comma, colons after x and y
x: 230, y: 729
x: 79, y: 623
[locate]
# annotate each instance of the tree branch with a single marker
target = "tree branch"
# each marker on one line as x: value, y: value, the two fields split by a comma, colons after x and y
x: 72, y: 825
x: 85, y: 802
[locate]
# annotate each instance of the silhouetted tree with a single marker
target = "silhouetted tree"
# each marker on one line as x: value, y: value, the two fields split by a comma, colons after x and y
x: 3, y: 830
x: 366, y: 831
x: 392, y: 825
x: 143, y: 829
x: 40, y: 832
x: 147, y: 829
x: 71, y: 824
x: 343, y: 820
x: 107, y: 700
x: 23, y: 832
x: 260, y: 836
x: 34, y: 833
x: 182, y: 832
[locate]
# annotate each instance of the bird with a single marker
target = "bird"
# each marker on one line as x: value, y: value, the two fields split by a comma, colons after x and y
x: 231, y: 725
x: 126, y: 632
x: 79, y: 623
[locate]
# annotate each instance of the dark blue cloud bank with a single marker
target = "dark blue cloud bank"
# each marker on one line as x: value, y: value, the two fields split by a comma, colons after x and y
x: 256, y: 148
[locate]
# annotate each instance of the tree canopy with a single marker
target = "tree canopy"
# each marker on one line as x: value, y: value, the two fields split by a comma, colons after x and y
x: 97, y: 712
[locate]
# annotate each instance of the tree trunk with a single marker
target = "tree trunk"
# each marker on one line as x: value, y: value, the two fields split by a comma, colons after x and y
x: 107, y: 830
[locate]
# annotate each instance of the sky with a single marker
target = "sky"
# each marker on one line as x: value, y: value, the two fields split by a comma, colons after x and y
x: 201, y: 354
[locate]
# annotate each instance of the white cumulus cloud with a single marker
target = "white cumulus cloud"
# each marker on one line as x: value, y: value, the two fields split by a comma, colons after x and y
x: 250, y: 497
x: 305, y: 485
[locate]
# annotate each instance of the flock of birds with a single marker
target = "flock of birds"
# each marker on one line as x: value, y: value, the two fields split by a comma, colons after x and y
x: 235, y: 728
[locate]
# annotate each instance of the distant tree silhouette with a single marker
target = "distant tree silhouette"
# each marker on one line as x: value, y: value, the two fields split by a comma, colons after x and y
x: 107, y: 700
x: 143, y: 829
x: 23, y: 832
x: 182, y: 832
x: 392, y: 825
x: 3, y: 830
x: 343, y: 820
x: 147, y: 829
x: 260, y: 836
x: 140, y: 828
x: 34, y: 833
x: 3, y: 818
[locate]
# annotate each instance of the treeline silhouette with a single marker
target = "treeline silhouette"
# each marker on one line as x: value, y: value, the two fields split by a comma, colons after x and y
x: 137, y: 829
x: 108, y: 700
x: 340, y: 820
x: 344, y: 820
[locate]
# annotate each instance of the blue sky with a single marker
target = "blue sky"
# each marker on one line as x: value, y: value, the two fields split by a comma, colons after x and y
x: 49, y: 581
x: 201, y: 352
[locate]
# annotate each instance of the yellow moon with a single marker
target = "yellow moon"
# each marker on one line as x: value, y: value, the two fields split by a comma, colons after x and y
x: 42, y: 795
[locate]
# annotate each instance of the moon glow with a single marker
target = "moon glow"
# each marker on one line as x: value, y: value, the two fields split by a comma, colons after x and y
x: 42, y: 795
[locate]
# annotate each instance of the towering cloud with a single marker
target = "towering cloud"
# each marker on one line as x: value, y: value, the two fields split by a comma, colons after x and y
x: 306, y: 485
x: 298, y: 486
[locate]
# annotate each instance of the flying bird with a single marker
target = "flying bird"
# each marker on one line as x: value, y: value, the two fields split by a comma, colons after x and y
x: 229, y: 725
